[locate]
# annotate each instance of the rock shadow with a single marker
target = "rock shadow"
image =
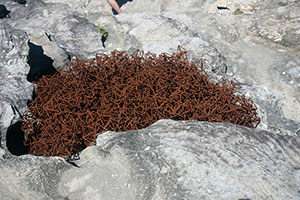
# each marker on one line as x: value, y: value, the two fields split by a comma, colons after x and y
x: 4, y: 13
x: 39, y: 63
x: 15, y: 140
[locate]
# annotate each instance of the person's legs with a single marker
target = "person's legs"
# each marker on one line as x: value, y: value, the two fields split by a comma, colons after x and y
x: 115, y: 6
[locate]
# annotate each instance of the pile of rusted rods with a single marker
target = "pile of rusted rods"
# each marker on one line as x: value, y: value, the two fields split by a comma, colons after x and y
x: 122, y: 92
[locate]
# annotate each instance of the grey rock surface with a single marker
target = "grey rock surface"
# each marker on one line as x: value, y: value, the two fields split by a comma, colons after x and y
x: 168, y: 160
x: 269, y: 109
x: 270, y: 23
x: 51, y: 49
x: 160, y: 34
x: 68, y: 29
x: 186, y: 160
x: 15, y: 90
x: 259, y: 48
x: 28, y: 177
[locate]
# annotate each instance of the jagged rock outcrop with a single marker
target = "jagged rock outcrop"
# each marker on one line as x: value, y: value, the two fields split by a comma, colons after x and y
x: 51, y: 49
x: 15, y: 90
x: 168, y: 160
x: 68, y: 29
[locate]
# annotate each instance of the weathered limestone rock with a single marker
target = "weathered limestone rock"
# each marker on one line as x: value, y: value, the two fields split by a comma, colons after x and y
x: 28, y: 177
x: 270, y: 23
x: 25, y: 177
x: 186, y: 160
x: 270, y: 111
x: 70, y: 31
x: 15, y: 90
x: 160, y: 34
x: 168, y: 160
x: 51, y: 49
x: 90, y: 7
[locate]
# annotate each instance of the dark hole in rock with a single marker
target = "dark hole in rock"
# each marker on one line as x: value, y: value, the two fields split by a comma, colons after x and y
x: 15, y: 140
x: 221, y: 7
x: 39, y: 63
x: 20, y: 1
x: 3, y: 11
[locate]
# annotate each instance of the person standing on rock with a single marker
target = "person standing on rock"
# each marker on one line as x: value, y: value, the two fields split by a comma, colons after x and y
x: 115, y: 6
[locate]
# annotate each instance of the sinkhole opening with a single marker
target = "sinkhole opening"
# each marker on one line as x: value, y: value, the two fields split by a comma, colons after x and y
x: 15, y: 140
x: 39, y: 63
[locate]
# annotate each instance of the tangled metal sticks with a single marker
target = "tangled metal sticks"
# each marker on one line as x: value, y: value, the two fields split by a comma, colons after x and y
x: 122, y: 92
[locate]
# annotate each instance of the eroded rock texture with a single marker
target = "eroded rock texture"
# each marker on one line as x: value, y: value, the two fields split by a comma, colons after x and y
x: 28, y: 177
x: 67, y: 28
x: 169, y: 160
x: 15, y: 90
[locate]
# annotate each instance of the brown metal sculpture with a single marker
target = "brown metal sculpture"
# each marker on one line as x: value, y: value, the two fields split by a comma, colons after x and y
x: 121, y: 92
